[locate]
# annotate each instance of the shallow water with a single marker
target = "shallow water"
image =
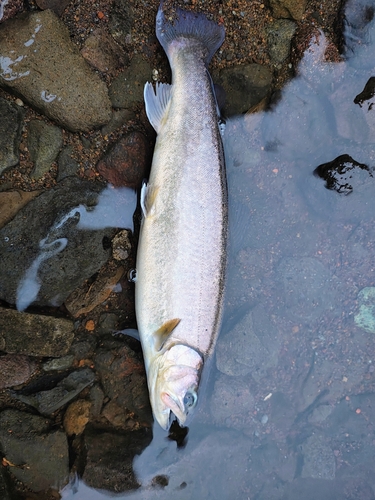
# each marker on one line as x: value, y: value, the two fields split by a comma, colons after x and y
x: 289, y: 408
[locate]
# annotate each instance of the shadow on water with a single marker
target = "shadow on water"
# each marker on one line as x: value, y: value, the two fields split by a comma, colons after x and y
x: 289, y: 410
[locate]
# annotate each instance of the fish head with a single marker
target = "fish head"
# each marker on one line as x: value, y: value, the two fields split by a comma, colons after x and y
x: 173, y: 380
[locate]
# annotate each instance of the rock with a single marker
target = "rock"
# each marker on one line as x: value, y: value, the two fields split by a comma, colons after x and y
x: 318, y: 458
x: 44, y: 143
x: 232, y: 403
x: 76, y: 417
x: 121, y: 245
x: 40, y: 454
x: 293, y: 9
x: 5, y: 493
x: 58, y: 364
x: 113, y: 471
x: 365, y: 318
x: 279, y: 37
x: 33, y: 334
x: 67, y: 165
x: 245, y: 86
x: 85, y: 298
x: 126, y: 89
x: 59, y: 83
x: 12, y: 201
x: 121, y: 21
x: 122, y: 376
x: 245, y: 350
x: 57, y: 6
x: 126, y: 162
x: 118, y: 119
x: 102, y: 52
x: 47, y: 402
x: 49, y: 267
x: 10, y: 133
x: 15, y: 369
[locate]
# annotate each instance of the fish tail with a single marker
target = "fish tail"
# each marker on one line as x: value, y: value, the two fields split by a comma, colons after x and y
x: 189, y: 25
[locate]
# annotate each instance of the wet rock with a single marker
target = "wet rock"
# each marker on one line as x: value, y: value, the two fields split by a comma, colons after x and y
x: 33, y: 334
x: 320, y: 414
x: 44, y: 143
x: 58, y: 364
x: 318, y: 458
x: 121, y: 245
x: 126, y: 89
x: 306, y: 289
x: 126, y: 162
x: 57, y: 6
x: 102, y: 52
x: 40, y: 455
x: 122, y: 376
x: 96, y: 399
x: 85, y: 298
x: 58, y: 255
x: 47, y: 402
x: 67, y: 165
x: 113, y: 471
x: 15, y: 369
x: 279, y: 37
x: 10, y: 133
x: 59, y: 82
x: 76, y: 417
x: 11, y: 202
x: 246, y: 350
x: 245, y: 86
x: 232, y: 403
x: 121, y: 21
x: 365, y: 318
x: 5, y: 493
x: 118, y: 119
x: 342, y: 173
x: 293, y: 9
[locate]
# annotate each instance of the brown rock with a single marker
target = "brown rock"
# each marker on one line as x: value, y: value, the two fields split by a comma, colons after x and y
x: 293, y: 9
x: 125, y: 163
x: 15, y: 369
x: 76, y: 417
x: 58, y: 6
x: 11, y: 202
x: 102, y: 52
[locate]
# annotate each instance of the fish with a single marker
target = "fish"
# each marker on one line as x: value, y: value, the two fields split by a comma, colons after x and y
x: 181, y: 255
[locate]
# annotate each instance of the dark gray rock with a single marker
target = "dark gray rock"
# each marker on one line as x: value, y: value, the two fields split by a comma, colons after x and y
x: 10, y: 133
x: 113, y: 471
x: 121, y: 21
x: 45, y: 255
x: 127, y: 89
x: 279, y: 38
x: 59, y: 82
x: 33, y: 334
x: 44, y: 142
x: 47, y: 402
x: 40, y: 456
x: 245, y: 86
x: 67, y: 165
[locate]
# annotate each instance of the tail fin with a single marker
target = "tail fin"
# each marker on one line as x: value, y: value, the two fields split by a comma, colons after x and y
x: 189, y: 25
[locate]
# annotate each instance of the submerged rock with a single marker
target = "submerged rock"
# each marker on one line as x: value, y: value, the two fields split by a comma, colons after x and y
x: 33, y: 334
x: 279, y: 39
x: 365, y: 318
x: 59, y: 82
x: 10, y: 133
x: 318, y: 458
x: 39, y: 454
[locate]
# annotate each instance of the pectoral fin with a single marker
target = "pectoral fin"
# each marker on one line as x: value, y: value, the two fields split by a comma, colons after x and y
x: 162, y: 334
x: 148, y: 196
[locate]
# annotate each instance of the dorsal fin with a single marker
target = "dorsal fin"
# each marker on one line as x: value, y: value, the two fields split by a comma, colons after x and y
x: 163, y: 333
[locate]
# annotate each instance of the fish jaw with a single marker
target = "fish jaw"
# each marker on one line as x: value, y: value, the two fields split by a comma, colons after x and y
x: 173, y: 380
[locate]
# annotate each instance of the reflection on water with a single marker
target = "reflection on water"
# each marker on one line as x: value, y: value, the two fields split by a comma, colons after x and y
x: 289, y: 410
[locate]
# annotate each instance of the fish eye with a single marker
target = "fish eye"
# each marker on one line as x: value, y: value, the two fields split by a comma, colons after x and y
x: 190, y: 400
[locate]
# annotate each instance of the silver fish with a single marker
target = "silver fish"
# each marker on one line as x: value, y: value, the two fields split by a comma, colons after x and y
x: 181, y: 255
